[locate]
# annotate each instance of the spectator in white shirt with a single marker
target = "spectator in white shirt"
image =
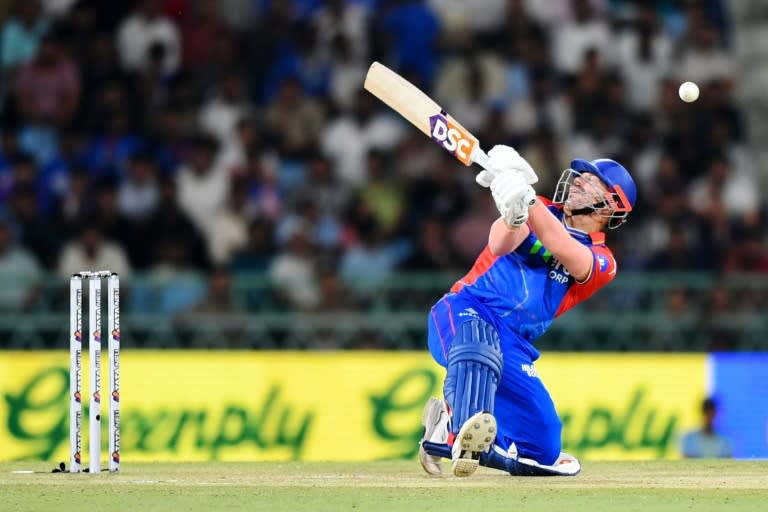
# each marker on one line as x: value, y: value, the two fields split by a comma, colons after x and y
x: 348, y: 139
x: 346, y: 19
x: 724, y: 193
x: 221, y: 114
x: 644, y: 56
x: 202, y: 184
x: 19, y: 271
x: 144, y: 28
x: 139, y: 193
x: 229, y: 233
x: 293, y: 273
x: 346, y: 73
x: 91, y: 251
x: 705, y: 59
x: 574, y: 38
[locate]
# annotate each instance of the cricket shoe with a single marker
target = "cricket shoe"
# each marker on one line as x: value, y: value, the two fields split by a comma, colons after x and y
x: 476, y: 436
x: 435, y: 420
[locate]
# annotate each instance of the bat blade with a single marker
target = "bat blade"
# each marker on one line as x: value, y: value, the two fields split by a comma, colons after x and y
x: 423, y: 112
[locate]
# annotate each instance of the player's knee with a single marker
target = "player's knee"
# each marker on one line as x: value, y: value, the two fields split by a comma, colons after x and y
x: 477, y: 341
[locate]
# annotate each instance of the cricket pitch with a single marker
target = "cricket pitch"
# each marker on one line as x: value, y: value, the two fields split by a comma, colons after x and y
x: 384, y: 486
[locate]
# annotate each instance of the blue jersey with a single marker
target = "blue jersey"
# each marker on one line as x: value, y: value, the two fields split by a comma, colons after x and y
x: 528, y: 288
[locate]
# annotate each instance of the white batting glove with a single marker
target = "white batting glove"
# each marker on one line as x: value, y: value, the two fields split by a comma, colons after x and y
x: 503, y: 159
x: 513, y: 197
x: 485, y: 178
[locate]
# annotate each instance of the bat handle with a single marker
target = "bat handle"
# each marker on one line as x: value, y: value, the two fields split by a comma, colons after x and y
x: 481, y: 158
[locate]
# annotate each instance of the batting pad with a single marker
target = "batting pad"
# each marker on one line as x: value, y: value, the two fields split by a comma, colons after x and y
x: 475, y: 362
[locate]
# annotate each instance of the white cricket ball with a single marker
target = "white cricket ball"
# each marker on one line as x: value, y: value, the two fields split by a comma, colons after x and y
x: 689, y: 92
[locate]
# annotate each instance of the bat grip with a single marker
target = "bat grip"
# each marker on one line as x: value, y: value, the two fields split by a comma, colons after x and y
x: 481, y: 158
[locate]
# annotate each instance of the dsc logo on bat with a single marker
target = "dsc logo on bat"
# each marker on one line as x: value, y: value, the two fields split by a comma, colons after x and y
x: 452, y: 137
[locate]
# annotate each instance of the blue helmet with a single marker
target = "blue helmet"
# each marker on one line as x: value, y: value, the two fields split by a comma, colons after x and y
x: 618, y: 181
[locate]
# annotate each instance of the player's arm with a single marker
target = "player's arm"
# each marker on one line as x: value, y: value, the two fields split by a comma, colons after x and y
x: 575, y: 257
x: 512, y: 196
x: 514, y: 199
x: 504, y: 238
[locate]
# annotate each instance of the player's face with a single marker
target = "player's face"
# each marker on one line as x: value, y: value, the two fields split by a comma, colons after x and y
x: 586, y: 190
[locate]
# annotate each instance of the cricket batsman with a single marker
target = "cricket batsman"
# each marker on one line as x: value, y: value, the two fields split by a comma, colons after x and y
x: 543, y: 257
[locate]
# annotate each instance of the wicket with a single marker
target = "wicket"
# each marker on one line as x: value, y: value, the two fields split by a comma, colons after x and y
x: 75, y: 369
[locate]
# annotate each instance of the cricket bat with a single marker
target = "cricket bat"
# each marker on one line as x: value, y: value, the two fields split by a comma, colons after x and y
x: 426, y: 115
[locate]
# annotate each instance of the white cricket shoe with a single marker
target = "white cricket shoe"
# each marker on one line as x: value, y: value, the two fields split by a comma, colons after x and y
x: 477, y: 435
x: 435, y: 420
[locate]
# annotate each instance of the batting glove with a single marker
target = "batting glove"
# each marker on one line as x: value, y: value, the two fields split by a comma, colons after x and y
x: 504, y: 159
x: 513, y: 197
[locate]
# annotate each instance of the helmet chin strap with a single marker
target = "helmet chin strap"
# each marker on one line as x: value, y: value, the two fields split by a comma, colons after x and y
x: 582, y: 211
x: 587, y: 210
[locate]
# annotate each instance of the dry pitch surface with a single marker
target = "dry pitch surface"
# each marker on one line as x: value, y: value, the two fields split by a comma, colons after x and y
x: 384, y: 486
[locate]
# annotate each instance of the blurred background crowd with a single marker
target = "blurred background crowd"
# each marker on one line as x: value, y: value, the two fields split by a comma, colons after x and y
x: 222, y: 156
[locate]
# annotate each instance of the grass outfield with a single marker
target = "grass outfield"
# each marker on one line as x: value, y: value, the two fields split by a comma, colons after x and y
x: 384, y: 486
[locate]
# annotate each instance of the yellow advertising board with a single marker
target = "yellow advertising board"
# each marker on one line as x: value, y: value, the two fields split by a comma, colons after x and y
x: 620, y: 406
x: 192, y: 405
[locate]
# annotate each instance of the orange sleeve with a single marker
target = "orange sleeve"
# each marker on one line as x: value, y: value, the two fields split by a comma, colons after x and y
x: 603, y: 271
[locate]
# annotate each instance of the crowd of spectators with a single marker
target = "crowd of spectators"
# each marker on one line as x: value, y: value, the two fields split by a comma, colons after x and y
x: 166, y: 137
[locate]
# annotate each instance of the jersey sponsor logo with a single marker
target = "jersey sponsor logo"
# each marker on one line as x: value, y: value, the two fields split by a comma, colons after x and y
x: 558, y: 272
x: 602, y: 262
x: 469, y: 312
x: 452, y: 137
x: 530, y: 370
x: 536, y: 249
